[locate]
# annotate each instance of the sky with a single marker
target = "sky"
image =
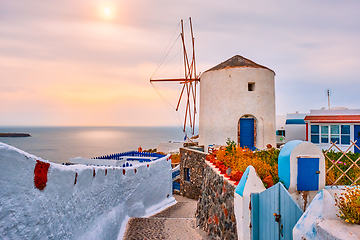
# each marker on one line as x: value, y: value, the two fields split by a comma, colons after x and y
x: 87, y: 62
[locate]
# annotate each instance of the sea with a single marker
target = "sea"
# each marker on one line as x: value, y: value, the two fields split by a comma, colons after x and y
x: 58, y: 144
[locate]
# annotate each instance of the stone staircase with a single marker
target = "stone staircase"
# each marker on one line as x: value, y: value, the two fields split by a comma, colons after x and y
x: 175, y: 222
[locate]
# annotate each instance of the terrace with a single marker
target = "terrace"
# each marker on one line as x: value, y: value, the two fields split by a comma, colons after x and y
x: 126, y: 159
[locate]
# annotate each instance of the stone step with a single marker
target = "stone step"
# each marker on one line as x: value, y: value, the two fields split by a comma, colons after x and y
x: 176, y: 222
x: 163, y: 228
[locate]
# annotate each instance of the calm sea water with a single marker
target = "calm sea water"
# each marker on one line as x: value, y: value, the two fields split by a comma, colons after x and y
x: 58, y: 144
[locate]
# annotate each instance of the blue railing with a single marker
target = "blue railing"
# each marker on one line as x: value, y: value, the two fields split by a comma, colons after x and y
x: 118, y: 156
x: 175, y: 173
x: 176, y: 186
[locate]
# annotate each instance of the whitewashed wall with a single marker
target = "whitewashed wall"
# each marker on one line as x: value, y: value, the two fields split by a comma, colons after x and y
x: 96, y: 207
x: 224, y: 99
x: 320, y: 221
x: 249, y: 183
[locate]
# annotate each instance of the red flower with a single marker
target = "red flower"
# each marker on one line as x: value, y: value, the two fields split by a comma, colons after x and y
x: 236, y: 175
x: 222, y: 169
x: 269, y: 181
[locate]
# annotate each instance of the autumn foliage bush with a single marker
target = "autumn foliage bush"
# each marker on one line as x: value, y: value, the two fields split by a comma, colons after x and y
x: 238, y: 159
x: 175, y: 158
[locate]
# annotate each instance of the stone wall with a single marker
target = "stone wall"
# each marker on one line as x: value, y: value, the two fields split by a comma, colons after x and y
x: 215, y: 209
x: 194, y: 161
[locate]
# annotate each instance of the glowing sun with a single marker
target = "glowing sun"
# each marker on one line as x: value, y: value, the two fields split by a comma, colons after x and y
x: 107, y: 11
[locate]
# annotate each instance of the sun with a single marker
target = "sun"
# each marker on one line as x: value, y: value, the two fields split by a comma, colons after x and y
x: 107, y: 11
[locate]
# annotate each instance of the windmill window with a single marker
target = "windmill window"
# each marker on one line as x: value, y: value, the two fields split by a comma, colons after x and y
x: 251, y: 86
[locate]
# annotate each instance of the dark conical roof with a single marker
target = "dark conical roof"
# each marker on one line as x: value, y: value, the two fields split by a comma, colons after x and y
x: 237, y: 61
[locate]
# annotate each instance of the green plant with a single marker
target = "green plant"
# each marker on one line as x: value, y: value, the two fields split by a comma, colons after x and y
x: 230, y: 147
x: 349, y: 205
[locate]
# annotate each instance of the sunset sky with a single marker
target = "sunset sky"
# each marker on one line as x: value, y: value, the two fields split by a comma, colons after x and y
x: 86, y: 62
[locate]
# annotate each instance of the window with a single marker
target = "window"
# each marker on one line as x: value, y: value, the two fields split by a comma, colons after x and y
x: 335, y: 133
x: 251, y: 86
x: 315, y: 133
x: 345, y: 134
x: 280, y: 133
x: 187, y: 174
x: 339, y: 134
x: 324, y: 134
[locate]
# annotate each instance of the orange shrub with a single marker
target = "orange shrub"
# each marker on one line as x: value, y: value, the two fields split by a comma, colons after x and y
x: 175, y: 158
x: 236, y: 175
x: 242, y: 158
x: 264, y: 162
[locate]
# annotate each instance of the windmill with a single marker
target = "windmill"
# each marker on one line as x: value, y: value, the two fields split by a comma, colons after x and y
x: 189, y: 81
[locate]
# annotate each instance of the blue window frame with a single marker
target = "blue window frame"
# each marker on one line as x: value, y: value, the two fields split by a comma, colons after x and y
x: 315, y: 133
x: 335, y: 134
x: 324, y: 134
x: 345, y: 134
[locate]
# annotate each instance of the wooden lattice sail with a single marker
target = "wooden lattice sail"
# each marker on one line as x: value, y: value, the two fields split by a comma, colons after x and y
x: 189, y: 82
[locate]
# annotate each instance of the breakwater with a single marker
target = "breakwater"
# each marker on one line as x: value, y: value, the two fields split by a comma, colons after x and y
x: 15, y: 135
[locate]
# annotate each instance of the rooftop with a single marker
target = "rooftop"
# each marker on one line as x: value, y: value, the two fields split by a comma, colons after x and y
x: 237, y: 61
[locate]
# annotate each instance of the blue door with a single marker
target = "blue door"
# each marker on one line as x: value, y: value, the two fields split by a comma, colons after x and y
x: 308, y: 174
x: 357, y: 138
x: 247, y: 133
x: 274, y: 213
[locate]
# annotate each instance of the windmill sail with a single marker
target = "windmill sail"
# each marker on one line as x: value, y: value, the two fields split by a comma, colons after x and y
x: 189, y: 82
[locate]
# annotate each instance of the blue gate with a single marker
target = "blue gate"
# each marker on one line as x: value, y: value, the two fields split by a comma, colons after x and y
x: 247, y: 133
x: 274, y: 214
x: 357, y: 138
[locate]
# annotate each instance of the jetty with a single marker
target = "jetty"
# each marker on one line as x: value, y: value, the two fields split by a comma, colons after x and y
x: 12, y: 135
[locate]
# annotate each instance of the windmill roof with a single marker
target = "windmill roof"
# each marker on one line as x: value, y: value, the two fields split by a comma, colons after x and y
x: 237, y: 61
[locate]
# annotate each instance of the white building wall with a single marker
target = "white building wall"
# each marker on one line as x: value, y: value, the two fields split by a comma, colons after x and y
x: 295, y: 132
x: 224, y: 99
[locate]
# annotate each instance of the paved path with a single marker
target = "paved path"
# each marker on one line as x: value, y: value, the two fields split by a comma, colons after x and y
x: 175, y: 222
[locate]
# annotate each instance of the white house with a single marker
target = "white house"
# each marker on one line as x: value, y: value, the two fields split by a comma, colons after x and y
x: 237, y: 101
x: 340, y: 125
x: 295, y: 127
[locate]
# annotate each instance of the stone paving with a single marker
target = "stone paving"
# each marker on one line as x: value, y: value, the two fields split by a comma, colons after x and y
x: 176, y: 222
